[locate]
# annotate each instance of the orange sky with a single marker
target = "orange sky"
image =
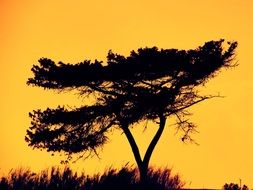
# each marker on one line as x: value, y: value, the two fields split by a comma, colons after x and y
x: 72, y: 31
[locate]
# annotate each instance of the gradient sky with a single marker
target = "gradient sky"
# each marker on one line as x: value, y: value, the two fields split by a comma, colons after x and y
x: 72, y: 31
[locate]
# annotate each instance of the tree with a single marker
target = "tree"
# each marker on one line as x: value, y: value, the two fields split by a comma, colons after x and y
x: 150, y: 84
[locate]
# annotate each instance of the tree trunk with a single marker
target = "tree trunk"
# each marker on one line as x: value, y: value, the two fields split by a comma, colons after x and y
x: 150, y: 149
x: 133, y: 145
x: 143, y: 164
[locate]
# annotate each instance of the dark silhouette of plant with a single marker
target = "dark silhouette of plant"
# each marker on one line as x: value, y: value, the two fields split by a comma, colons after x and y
x: 234, y: 186
x: 245, y: 187
x: 150, y: 84
x: 64, y: 179
x: 24, y: 179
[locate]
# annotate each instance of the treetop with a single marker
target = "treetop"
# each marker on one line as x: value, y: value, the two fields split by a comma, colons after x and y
x: 149, y: 84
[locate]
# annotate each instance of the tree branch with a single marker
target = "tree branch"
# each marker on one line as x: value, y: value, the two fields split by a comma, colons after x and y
x: 133, y: 145
x: 154, y: 142
x: 190, y: 104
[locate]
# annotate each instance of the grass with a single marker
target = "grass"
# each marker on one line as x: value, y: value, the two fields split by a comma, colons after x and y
x: 126, y: 178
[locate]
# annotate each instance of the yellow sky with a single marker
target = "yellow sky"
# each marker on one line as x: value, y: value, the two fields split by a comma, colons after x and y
x: 72, y: 31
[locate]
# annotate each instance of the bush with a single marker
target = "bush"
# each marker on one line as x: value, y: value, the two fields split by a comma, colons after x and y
x: 234, y: 186
x: 126, y: 178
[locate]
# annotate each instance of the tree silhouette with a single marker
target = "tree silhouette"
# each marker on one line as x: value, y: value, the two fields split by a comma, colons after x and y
x: 149, y: 84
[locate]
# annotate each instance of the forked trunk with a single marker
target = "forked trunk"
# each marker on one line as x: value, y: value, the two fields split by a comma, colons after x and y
x: 143, y: 164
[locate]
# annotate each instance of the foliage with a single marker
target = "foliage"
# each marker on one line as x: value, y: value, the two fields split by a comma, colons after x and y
x: 58, y: 179
x: 234, y: 186
x: 150, y: 84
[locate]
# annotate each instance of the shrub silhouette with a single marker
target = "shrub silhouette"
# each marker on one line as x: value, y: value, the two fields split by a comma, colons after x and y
x: 127, y: 178
x: 234, y: 186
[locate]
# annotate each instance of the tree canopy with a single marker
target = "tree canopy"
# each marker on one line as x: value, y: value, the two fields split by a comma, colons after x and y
x: 149, y: 84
